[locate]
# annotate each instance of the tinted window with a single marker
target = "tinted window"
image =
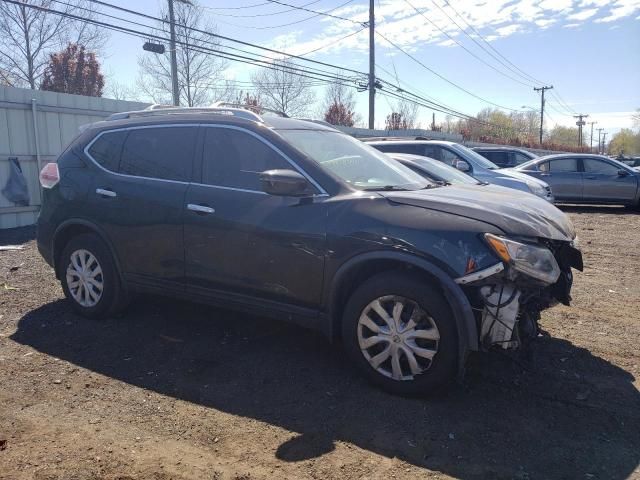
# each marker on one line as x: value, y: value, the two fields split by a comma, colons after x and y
x: 233, y: 158
x: 499, y: 158
x: 106, y: 149
x: 449, y: 157
x: 159, y: 152
x: 564, y: 165
x: 598, y: 166
x: 395, y: 148
x: 431, y: 151
x: 521, y: 158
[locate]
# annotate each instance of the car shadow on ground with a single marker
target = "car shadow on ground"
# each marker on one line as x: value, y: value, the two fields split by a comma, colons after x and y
x: 555, y: 421
x: 604, y: 209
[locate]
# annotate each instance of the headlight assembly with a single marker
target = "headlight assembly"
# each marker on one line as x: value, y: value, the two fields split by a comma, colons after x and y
x: 537, y: 190
x: 537, y: 262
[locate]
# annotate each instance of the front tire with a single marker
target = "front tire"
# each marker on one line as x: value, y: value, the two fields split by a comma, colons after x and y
x: 399, y: 331
x: 89, y: 277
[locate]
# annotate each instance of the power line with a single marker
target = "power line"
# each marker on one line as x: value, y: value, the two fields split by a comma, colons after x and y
x: 442, y: 77
x: 337, y: 17
x: 522, y: 73
x: 270, y: 14
x: 214, y: 35
x: 465, y: 48
x: 327, y: 45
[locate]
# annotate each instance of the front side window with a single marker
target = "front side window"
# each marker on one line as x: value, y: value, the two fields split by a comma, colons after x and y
x: 564, y: 165
x: 449, y: 157
x: 107, y: 148
x: 598, y: 166
x: 353, y: 161
x: 233, y: 158
x: 160, y: 152
x: 521, y: 158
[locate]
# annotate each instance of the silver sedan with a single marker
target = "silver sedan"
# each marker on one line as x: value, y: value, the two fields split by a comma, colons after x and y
x: 584, y: 178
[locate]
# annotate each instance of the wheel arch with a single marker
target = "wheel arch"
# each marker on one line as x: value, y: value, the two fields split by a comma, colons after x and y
x: 364, y: 265
x: 72, y: 228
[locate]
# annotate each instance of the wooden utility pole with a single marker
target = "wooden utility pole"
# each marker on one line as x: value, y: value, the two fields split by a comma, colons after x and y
x: 372, y: 66
x: 542, y: 89
x: 580, y: 123
x: 174, y: 62
x: 591, y: 142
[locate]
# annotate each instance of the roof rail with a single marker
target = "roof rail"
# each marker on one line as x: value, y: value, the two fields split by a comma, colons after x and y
x: 249, y: 108
x: 158, y: 109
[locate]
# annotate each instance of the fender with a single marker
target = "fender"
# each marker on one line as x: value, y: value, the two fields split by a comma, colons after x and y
x: 97, y: 230
x: 458, y: 301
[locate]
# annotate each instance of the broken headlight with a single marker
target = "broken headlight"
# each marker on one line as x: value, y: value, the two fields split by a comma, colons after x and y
x: 537, y: 262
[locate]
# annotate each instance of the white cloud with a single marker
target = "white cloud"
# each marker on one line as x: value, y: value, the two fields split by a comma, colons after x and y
x: 583, y: 15
x: 572, y: 25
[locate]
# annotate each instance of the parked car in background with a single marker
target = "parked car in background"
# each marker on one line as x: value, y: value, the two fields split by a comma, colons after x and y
x: 584, y: 178
x: 468, y: 161
x: 298, y: 221
x: 505, y: 157
x: 435, y: 170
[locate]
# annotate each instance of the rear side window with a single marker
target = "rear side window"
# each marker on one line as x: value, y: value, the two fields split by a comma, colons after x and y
x: 159, y: 152
x: 564, y: 165
x: 235, y: 159
x: 398, y: 148
x: 499, y: 158
x: 107, y: 148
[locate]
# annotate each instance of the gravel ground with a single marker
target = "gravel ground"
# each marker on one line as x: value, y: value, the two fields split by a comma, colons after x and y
x: 172, y: 390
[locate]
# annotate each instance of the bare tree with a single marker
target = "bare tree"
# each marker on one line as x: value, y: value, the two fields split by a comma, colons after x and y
x: 408, y: 112
x: 338, y: 105
x: 283, y: 90
x: 29, y: 34
x: 198, y: 70
x: 118, y: 91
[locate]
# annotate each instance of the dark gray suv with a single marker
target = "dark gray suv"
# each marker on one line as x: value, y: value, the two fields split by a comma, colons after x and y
x: 295, y: 220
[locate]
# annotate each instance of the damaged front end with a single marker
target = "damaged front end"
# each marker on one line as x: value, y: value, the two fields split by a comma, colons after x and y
x: 509, y: 296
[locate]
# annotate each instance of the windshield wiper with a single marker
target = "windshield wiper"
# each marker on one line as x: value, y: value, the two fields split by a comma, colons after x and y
x: 386, y: 188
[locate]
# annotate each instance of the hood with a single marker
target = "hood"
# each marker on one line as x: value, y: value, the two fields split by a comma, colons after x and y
x: 515, y: 213
x: 508, y: 172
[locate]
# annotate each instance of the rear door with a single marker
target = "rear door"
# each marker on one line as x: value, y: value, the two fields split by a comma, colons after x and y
x: 603, y: 182
x: 138, y: 198
x: 564, y: 177
x: 243, y: 241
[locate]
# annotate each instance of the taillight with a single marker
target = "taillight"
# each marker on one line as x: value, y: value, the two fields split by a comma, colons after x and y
x: 49, y: 175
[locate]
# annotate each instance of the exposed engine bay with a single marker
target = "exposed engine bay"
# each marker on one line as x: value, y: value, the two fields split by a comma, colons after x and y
x: 508, y: 302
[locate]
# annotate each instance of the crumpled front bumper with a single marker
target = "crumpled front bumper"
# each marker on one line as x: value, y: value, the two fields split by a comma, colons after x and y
x: 508, y: 303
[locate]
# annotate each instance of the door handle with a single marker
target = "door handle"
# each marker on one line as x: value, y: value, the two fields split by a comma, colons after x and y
x: 200, y: 208
x: 545, y: 174
x: 106, y: 193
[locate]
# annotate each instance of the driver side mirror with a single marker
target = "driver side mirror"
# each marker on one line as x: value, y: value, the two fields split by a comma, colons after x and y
x: 286, y: 183
x: 462, y: 166
x: 622, y: 173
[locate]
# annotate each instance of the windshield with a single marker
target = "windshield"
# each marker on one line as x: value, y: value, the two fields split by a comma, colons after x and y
x: 357, y: 164
x: 445, y: 172
x: 475, y: 157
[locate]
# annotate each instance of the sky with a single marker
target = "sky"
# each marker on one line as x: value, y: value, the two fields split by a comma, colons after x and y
x: 494, y: 50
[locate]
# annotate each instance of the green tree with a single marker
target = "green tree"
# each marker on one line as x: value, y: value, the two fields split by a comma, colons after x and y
x: 626, y: 141
x: 563, y: 136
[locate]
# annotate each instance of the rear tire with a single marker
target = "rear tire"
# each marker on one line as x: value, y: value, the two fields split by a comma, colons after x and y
x: 89, y: 277
x: 393, y: 353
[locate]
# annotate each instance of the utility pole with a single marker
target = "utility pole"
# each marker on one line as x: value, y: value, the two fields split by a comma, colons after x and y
x: 599, y: 137
x: 604, y: 142
x: 542, y: 89
x: 372, y: 66
x: 580, y: 123
x: 591, y: 143
x: 174, y: 61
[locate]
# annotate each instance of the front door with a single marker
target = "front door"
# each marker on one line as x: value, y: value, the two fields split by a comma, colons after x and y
x: 243, y: 241
x: 603, y: 182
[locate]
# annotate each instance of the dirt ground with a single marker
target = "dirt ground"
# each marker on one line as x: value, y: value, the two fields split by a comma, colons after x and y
x: 172, y: 390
